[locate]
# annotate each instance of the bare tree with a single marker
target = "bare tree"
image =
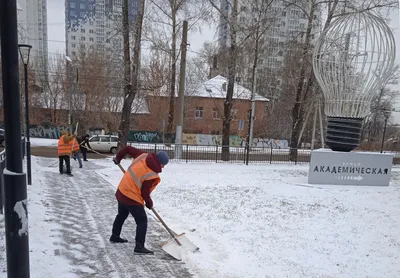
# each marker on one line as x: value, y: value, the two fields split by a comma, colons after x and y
x: 231, y: 19
x: 53, y: 87
x: 131, y: 79
x: 166, y: 19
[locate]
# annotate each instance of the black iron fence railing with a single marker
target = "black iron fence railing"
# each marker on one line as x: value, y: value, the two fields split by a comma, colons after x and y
x: 236, y: 154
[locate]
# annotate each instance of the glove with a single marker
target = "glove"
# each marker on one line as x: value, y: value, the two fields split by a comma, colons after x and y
x: 149, y: 204
x: 115, y: 161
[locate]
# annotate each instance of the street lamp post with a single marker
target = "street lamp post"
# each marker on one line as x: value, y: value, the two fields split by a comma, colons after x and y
x: 15, y: 193
x: 24, y: 51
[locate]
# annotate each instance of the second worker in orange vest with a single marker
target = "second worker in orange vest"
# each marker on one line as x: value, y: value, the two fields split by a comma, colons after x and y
x: 133, y: 192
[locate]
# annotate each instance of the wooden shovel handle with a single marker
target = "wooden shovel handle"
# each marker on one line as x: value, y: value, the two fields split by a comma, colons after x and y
x: 166, y: 227
x: 122, y: 168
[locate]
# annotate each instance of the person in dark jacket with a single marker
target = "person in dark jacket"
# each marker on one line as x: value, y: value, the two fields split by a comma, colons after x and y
x: 133, y: 192
x: 84, y: 145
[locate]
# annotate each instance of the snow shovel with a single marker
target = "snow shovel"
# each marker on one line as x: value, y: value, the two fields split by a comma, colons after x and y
x: 180, y: 239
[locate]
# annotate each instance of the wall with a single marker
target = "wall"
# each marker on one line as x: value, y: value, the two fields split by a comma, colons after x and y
x: 53, y: 132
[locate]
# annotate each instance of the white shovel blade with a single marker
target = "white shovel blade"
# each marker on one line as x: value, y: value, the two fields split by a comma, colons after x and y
x: 187, y: 243
x: 173, y: 249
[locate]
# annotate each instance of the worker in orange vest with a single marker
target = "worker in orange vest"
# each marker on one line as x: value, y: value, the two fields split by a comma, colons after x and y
x: 76, y: 151
x: 133, y: 192
x: 64, y: 151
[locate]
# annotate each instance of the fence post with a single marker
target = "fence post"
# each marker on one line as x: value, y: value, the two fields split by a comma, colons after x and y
x: 155, y: 147
x: 295, y: 159
x: 270, y: 157
x: 187, y: 152
x: 216, y: 153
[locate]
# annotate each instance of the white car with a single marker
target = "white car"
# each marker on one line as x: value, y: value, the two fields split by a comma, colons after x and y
x: 104, y: 143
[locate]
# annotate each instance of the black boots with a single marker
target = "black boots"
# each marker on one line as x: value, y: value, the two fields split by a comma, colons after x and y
x: 140, y: 249
x: 117, y: 239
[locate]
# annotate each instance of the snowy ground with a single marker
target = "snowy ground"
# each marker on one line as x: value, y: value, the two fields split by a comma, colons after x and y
x: 261, y: 221
x: 255, y: 221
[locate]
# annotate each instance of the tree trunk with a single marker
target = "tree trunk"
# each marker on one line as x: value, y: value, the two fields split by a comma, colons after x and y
x: 301, y: 93
x: 173, y: 79
x: 131, y: 81
x: 226, y: 123
x: 297, y: 111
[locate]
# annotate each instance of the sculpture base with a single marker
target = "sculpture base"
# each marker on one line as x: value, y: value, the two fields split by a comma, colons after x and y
x: 355, y: 168
x: 343, y: 134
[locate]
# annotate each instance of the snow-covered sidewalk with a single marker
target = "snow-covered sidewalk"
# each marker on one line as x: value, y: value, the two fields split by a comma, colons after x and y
x: 70, y: 221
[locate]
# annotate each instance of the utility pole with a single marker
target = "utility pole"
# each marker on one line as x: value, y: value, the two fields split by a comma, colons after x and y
x: 15, y: 195
x: 252, y: 111
x: 69, y: 64
x: 181, y: 93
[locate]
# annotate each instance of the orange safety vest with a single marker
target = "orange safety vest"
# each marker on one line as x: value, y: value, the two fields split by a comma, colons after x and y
x: 64, y: 148
x: 75, y: 145
x: 138, y: 172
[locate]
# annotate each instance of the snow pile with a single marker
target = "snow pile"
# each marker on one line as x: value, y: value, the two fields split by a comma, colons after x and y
x: 263, y: 221
x: 43, y: 142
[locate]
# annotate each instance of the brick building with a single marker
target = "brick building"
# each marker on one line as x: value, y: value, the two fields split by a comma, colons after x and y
x: 204, y: 109
x: 203, y: 113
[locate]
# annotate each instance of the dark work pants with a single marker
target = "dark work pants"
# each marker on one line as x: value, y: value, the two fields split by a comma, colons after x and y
x: 84, y: 153
x: 140, y: 218
x: 67, y: 162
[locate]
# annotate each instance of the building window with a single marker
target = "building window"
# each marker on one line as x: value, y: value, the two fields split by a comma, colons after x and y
x: 73, y: 45
x: 72, y: 13
x: 91, y: 39
x: 82, y: 30
x: 72, y: 5
x: 199, y: 112
x: 91, y: 23
x: 283, y: 13
x: 91, y: 31
x: 82, y: 14
x: 73, y: 53
x: 83, y: 38
x: 215, y: 114
x: 73, y: 37
x: 82, y: 6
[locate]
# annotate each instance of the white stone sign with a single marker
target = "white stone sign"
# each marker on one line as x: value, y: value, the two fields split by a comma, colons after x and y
x: 350, y: 168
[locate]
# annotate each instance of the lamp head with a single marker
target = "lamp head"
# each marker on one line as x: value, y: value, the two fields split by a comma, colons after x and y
x: 24, y: 52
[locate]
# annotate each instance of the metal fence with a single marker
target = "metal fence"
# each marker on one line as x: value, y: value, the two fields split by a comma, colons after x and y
x: 236, y: 154
x: 2, y: 167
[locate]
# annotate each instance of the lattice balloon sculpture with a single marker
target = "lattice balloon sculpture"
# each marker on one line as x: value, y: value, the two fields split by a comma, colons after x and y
x: 352, y: 59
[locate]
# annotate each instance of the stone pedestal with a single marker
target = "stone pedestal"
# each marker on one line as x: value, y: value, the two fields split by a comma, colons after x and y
x: 350, y: 168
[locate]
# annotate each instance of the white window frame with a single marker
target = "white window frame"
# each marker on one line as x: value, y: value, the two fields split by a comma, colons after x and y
x: 199, y: 114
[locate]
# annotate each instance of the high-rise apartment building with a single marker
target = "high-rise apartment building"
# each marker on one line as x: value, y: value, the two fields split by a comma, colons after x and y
x: 96, y: 24
x: 32, y: 29
x: 282, y: 24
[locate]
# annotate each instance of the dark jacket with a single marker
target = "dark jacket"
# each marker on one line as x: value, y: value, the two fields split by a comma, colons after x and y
x: 84, y: 142
x: 152, y: 162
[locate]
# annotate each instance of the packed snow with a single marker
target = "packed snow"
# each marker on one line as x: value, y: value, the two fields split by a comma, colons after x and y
x: 249, y: 221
